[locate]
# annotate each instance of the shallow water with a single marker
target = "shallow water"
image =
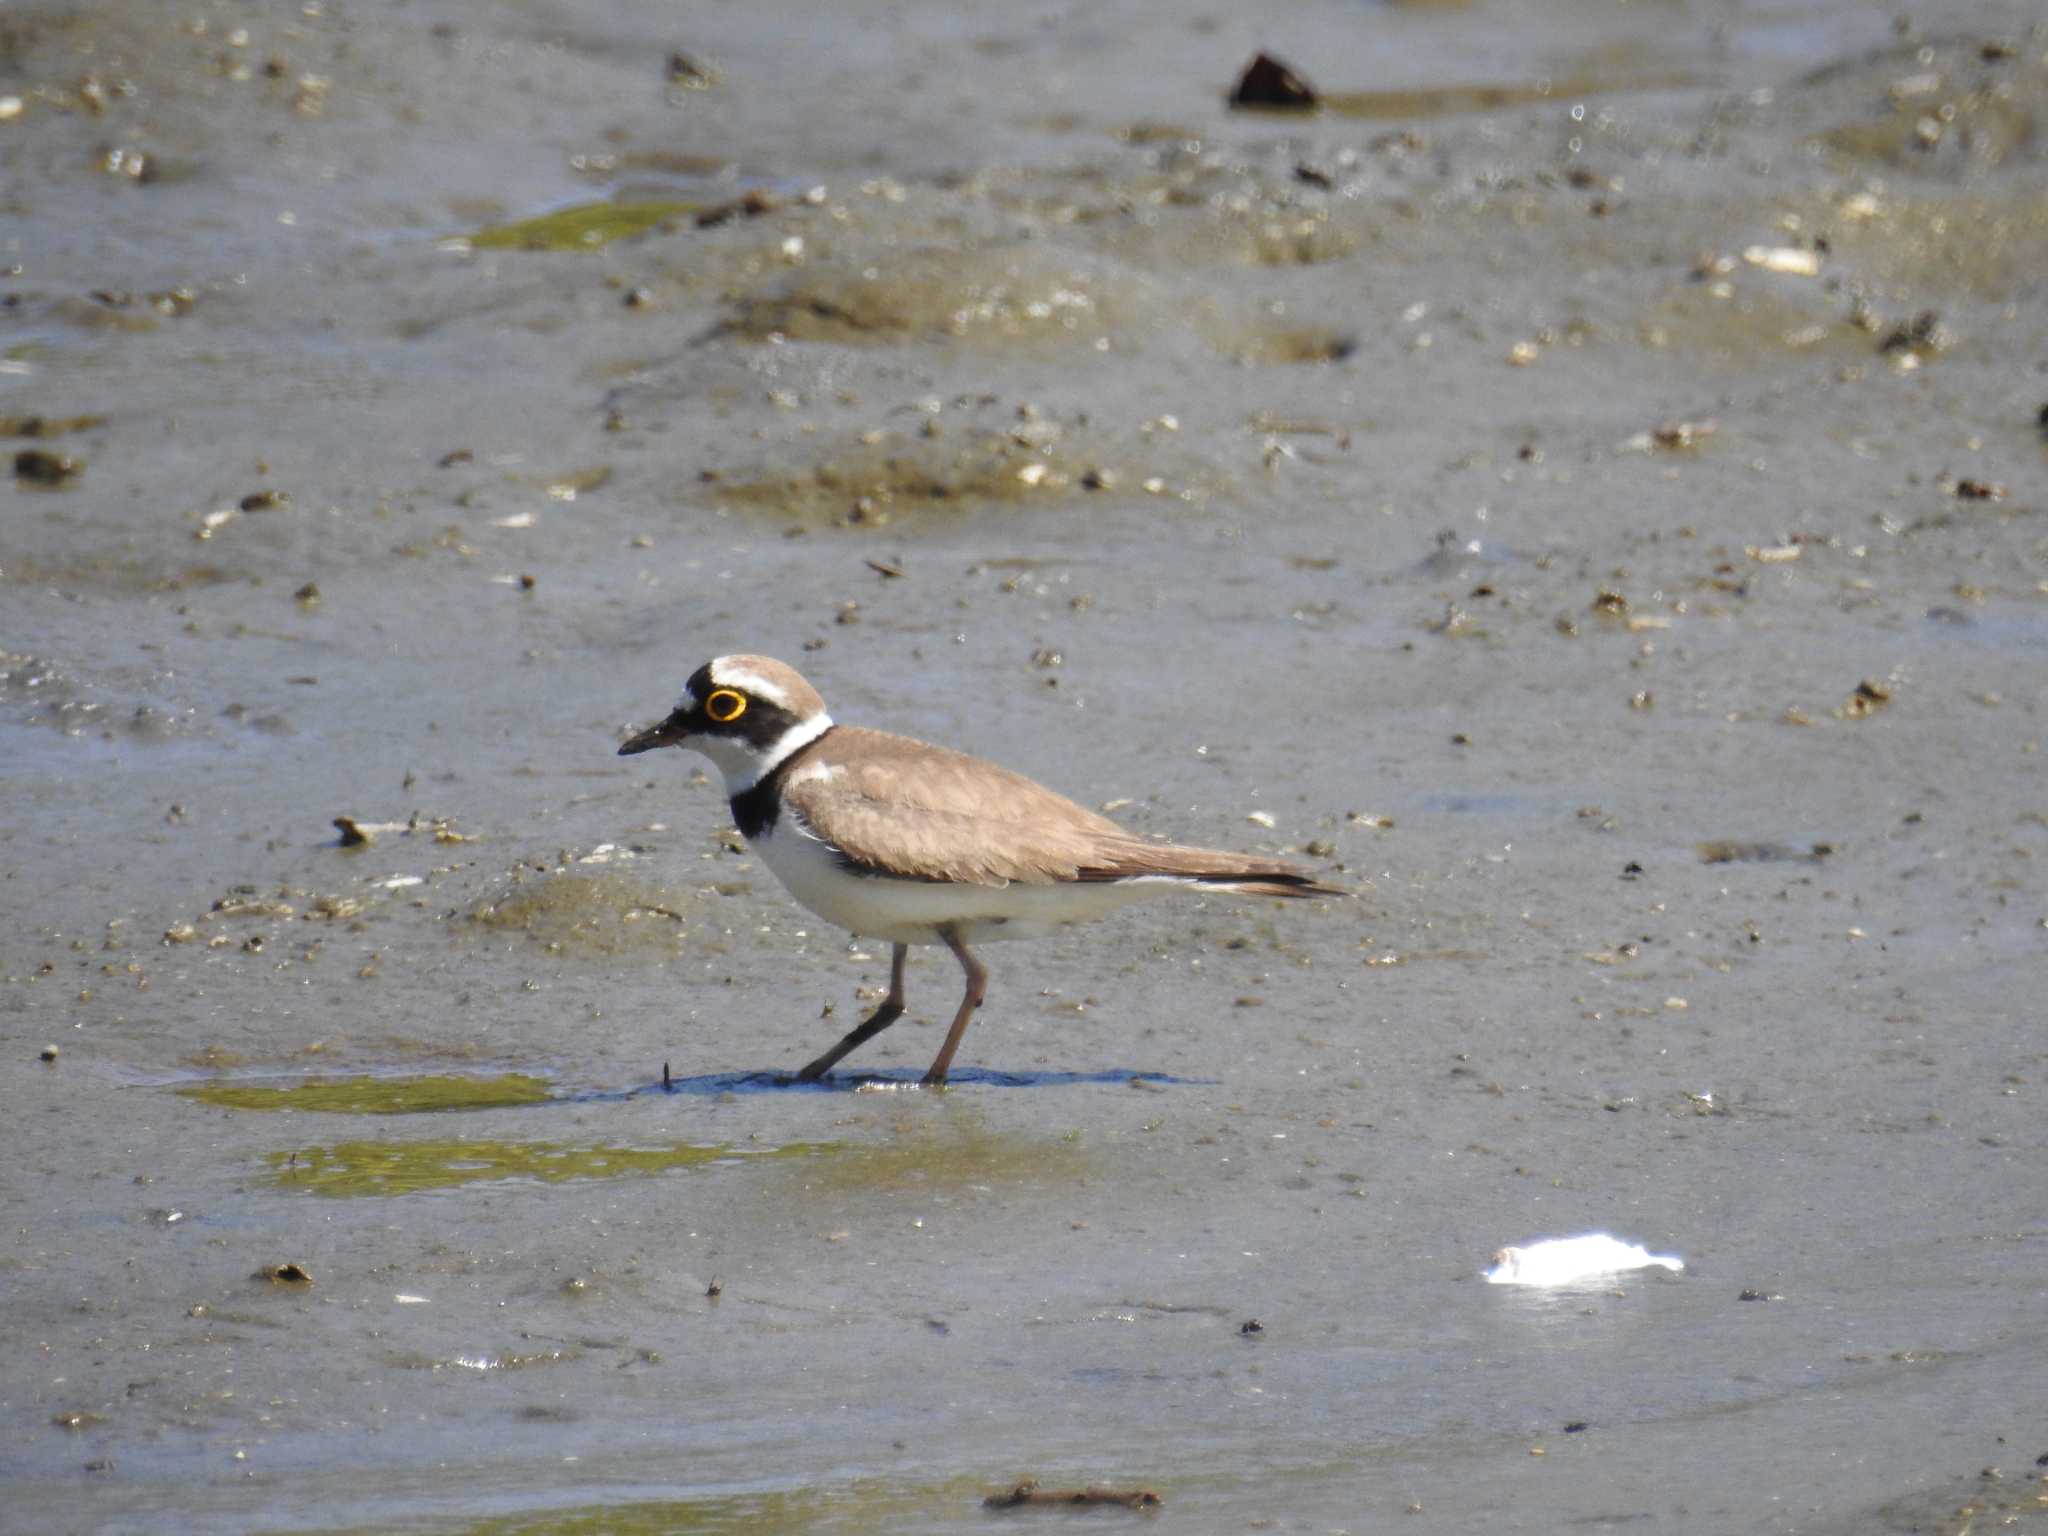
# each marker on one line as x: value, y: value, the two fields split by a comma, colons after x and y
x: 1646, y: 633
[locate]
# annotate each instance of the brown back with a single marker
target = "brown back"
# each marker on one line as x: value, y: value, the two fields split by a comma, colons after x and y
x: 931, y: 813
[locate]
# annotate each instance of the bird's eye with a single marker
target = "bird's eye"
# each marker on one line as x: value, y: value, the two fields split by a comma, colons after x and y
x: 725, y: 706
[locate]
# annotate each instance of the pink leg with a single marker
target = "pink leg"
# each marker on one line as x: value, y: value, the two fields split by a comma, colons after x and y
x: 977, y: 989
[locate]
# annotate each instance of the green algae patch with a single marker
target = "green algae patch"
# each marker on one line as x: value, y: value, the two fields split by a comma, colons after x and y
x: 351, y: 1168
x: 585, y: 227
x: 374, y: 1095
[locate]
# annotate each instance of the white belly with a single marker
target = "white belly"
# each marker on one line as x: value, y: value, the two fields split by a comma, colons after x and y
x: 911, y: 911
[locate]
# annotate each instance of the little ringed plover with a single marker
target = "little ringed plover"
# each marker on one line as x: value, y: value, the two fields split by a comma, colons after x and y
x: 900, y: 840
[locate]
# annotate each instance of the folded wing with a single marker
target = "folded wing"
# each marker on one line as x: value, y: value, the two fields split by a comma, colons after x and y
x: 928, y: 813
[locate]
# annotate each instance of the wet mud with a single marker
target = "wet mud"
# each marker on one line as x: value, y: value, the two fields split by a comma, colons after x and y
x: 1572, y: 474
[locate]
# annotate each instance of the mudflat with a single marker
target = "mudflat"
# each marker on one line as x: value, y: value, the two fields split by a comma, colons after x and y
x: 1576, y: 482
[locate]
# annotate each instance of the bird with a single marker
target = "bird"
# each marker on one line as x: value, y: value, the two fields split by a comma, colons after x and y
x: 899, y: 840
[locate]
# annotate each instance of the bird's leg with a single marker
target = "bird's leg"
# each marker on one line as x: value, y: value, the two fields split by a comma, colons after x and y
x: 890, y: 1011
x: 977, y: 989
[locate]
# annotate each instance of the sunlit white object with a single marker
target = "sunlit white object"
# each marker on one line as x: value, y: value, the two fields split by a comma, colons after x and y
x: 1568, y: 1260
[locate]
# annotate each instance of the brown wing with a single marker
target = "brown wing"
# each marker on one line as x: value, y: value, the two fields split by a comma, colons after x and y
x: 935, y: 814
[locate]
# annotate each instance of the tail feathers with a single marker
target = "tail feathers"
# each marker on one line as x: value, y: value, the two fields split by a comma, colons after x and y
x: 1290, y: 884
x: 1211, y: 869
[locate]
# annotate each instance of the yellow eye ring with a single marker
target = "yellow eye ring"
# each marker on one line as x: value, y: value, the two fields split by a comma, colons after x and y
x: 724, y: 706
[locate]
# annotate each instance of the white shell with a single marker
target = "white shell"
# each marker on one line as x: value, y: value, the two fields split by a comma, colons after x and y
x: 1570, y: 1260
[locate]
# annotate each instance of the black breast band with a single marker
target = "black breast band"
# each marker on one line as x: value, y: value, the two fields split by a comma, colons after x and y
x: 755, y: 810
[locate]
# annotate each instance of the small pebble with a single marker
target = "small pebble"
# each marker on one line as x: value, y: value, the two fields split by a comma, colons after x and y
x: 35, y: 466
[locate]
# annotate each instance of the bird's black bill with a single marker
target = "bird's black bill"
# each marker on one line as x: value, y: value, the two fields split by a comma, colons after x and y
x: 666, y: 734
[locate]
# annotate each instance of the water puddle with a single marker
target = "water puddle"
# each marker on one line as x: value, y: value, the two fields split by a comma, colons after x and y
x: 716, y: 1084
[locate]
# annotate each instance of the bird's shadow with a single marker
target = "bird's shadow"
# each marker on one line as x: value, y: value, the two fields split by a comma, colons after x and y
x: 718, y: 1084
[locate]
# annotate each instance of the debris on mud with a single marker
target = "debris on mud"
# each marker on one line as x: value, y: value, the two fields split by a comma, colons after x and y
x: 1028, y: 1492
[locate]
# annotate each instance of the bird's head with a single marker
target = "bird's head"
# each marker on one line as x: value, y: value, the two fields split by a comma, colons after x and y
x: 745, y: 713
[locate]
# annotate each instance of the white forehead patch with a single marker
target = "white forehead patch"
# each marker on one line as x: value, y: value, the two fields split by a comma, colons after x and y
x: 726, y: 673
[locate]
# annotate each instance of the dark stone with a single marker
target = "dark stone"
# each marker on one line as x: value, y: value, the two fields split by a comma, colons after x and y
x: 1266, y: 82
